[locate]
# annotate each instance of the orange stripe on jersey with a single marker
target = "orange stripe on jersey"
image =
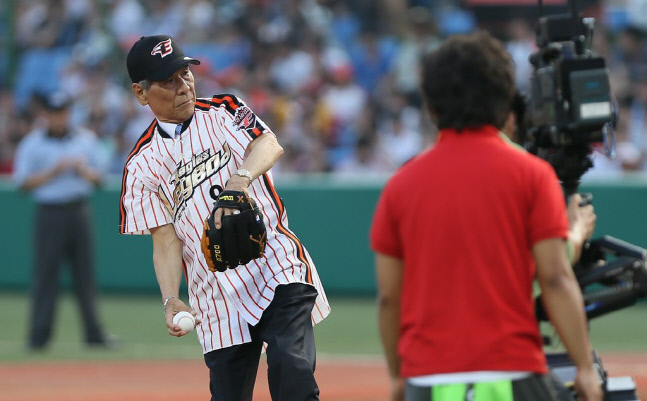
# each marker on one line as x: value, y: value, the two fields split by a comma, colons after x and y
x: 203, y: 104
x: 184, y: 269
x: 300, y: 249
x: 144, y: 139
x: 230, y: 102
x: 219, y: 99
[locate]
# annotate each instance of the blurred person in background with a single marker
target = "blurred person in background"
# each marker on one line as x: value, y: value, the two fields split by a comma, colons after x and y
x: 340, y: 107
x: 460, y: 233
x: 520, y: 45
x: 418, y: 37
x: 61, y: 166
x: 366, y: 161
x: 399, y: 140
x: 636, y: 122
x: 318, y: 37
x: 13, y: 127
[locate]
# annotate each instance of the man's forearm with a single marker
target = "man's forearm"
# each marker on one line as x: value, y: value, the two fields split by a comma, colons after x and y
x: 562, y: 299
x: 167, y: 260
x: 565, y: 308
x: 389, y: 325
x: 262, y: 154
x: 389, y: 271
x: 574, y: 244
x: 39, y: 179
x: 90, y: 174
x: 168, y: 278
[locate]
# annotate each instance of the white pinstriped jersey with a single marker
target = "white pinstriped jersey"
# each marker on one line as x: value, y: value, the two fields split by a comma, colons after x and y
x: 167, y: 180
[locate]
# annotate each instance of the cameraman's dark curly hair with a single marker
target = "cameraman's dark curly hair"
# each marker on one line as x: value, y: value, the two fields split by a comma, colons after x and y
x: 469, y: 82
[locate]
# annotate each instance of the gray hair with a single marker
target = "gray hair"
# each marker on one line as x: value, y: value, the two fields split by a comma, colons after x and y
x: 145, y: 84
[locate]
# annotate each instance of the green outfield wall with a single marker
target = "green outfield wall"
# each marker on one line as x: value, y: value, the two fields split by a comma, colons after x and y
x: 331, y: 217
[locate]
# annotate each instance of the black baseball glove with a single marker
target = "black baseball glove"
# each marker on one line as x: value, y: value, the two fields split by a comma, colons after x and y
x: 242, y: 236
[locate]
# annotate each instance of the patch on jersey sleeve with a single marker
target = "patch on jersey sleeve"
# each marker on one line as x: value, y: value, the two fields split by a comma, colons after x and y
x: 244, y: 118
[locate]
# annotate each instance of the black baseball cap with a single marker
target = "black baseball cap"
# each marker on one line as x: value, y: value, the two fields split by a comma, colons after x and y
x: 155, y: 58
x: 56, y: 101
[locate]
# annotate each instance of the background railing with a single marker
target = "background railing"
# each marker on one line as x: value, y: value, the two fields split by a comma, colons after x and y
x: 331, y: 216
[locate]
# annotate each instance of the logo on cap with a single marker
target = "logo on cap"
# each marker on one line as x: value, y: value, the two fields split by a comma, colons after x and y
x: 163, y: 48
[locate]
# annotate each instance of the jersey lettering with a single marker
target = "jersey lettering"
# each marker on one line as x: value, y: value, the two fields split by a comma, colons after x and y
x: 193, y: 173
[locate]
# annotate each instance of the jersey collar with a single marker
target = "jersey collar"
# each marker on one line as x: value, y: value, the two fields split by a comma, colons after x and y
x: 482, y: 130
x: 167, y: 130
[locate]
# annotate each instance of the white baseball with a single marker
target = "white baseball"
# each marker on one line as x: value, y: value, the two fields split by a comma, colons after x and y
x: 185, y: 320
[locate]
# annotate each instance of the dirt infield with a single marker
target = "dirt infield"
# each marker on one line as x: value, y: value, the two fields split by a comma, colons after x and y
x: 340, y: 379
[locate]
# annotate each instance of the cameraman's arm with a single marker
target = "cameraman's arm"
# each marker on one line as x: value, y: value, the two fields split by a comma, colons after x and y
x: 389, y: 272
x: 582, y: 224
x: 565, y: 308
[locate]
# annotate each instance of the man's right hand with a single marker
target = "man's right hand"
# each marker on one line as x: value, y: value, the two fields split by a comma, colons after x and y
x: 581, y: 218
x: 174, y: 306
x: 587, y: 385
x: 397, y: 389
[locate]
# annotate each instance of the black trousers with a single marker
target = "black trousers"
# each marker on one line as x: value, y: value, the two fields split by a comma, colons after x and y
x: 62, y: 234
x: 287, y: 329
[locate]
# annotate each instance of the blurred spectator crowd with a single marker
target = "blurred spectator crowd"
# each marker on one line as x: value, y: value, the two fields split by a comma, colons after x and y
x: 336, y: 80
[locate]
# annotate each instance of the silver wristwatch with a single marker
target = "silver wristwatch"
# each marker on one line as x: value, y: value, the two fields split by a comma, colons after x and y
x: 245, y: 173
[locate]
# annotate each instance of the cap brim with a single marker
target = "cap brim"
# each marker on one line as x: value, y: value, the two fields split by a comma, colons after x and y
x: 169, y: 69
x: 57, y: 108
x: 56, y: 102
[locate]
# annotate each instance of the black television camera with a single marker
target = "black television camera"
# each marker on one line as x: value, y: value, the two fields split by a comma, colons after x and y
x: 570, y: 106
x: 569, y: 109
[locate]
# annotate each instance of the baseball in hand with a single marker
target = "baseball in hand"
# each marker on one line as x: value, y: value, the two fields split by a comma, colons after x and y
x: 185, y: 320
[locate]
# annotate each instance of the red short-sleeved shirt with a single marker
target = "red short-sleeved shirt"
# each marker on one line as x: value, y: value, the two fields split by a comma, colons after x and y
x: 463, y: 217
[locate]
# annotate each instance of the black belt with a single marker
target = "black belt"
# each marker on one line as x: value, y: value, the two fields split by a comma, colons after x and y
x: 62, y: 205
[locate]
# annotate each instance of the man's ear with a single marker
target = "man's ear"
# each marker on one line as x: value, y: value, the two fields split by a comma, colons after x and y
x: 140, y: 94
x: 510, y: 125
x: 433, y: 116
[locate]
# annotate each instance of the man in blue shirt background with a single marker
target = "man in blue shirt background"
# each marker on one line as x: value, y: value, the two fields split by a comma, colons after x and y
x: 61, y: 166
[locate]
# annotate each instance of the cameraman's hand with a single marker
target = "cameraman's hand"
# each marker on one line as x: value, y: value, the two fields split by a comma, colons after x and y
x: 582, y: 224
x: 581, y: 218
x: 587, y: 385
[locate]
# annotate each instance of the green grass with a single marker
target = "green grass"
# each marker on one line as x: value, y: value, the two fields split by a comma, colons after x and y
x: 138, y: 322
x: 351, y: 328
x: 624, y: 330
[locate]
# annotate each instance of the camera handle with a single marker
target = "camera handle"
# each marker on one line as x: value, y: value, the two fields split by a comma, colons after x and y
x: 624, y: 279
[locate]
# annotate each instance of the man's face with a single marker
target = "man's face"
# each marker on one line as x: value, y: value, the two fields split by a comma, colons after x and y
x: 171, y: 100
x: 57, y: 121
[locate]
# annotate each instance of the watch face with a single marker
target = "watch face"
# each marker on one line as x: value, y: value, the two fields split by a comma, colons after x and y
x: 244, y: 173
